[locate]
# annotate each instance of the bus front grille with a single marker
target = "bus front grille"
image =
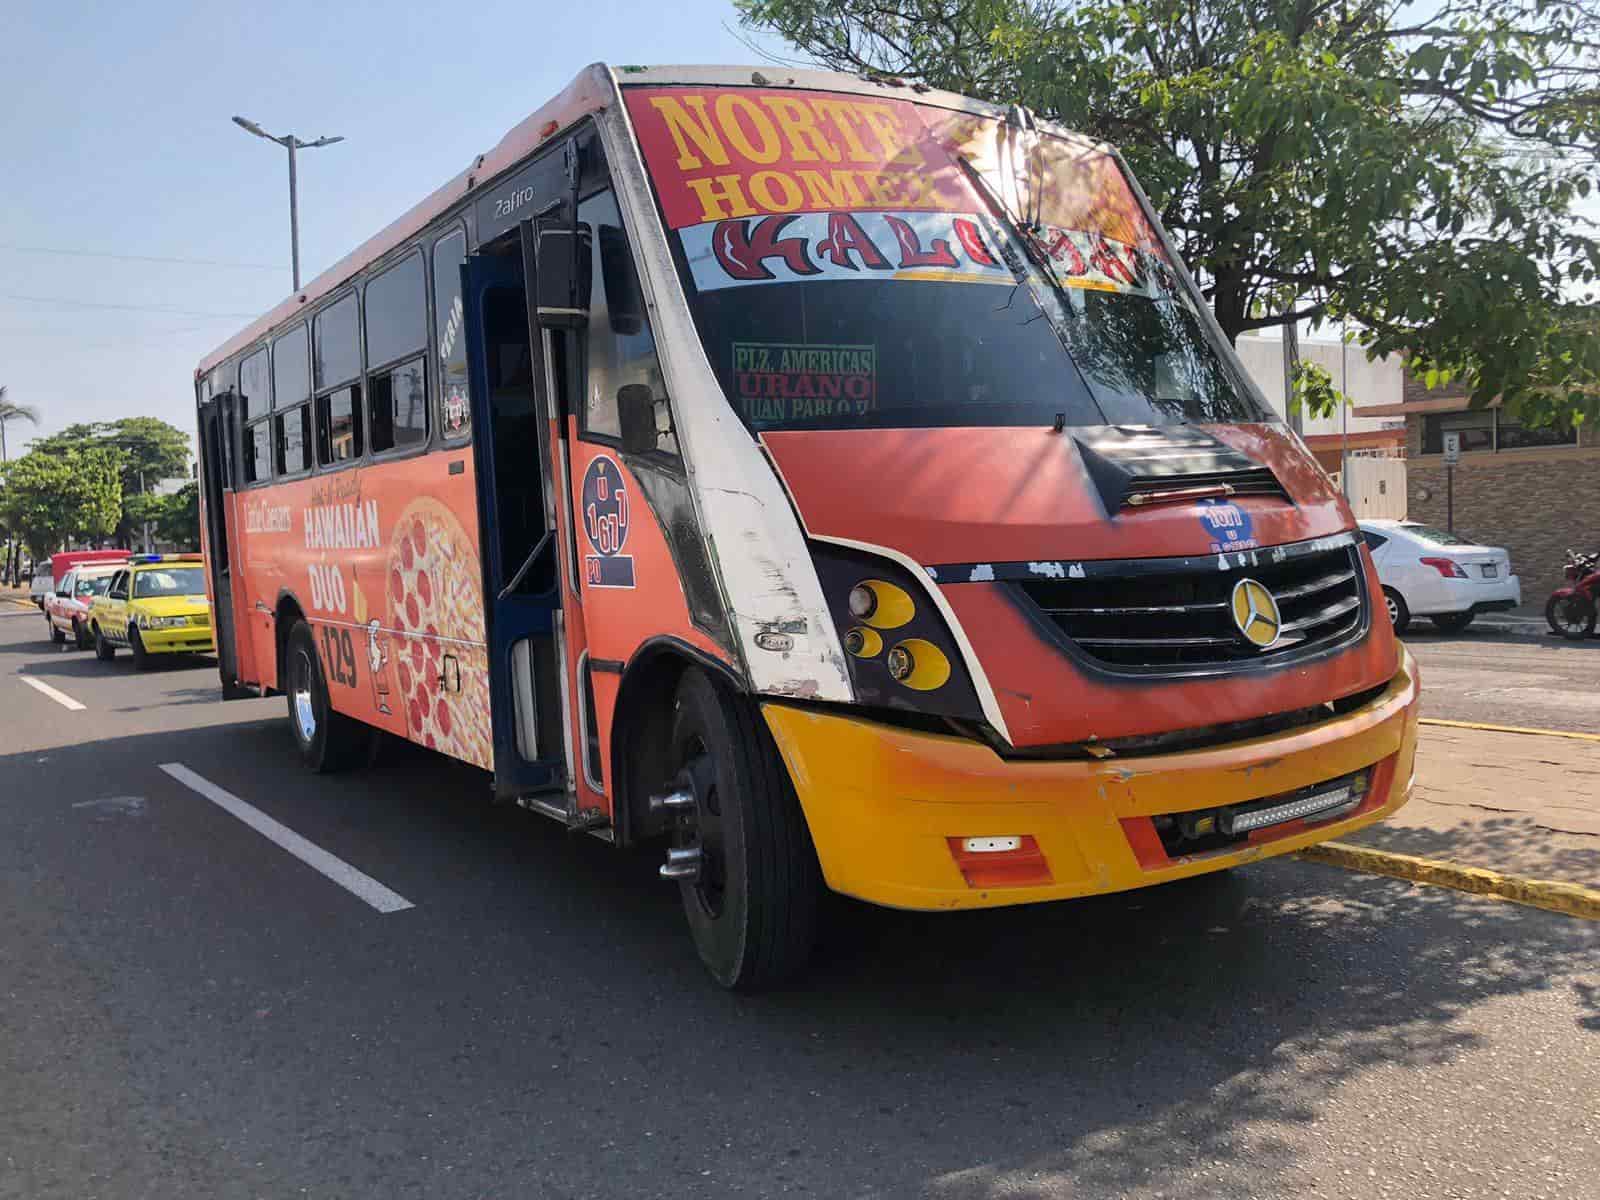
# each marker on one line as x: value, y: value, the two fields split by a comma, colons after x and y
x: 1159, y: 615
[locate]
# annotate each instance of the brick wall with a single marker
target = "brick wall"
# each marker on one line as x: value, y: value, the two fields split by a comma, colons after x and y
x: 1413, y: 389
x: 1534, y: 502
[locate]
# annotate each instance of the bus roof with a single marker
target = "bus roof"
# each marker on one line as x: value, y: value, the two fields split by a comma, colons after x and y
x: 590, y: 91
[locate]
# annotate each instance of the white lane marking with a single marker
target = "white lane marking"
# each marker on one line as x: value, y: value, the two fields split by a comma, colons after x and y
x: 313, y: 855
x: 60, y: 698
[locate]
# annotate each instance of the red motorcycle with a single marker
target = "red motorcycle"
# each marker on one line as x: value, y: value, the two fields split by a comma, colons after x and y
x: 1571, y: 610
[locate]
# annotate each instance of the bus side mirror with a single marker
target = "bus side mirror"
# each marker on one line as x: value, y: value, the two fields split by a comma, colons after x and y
x: 624, y: 304
x: 636, y: 412
x: 562, y: 262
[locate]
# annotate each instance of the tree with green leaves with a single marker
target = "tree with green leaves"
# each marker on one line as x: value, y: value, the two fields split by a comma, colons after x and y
x: 53, y: 498
x: 12, y: 411
x: 148, y: 450
x: 1416, y: 170
x: 179, y: 521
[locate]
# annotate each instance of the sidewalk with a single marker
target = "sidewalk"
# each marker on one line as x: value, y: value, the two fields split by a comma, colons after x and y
x: 1522, y: 804
x: 13, y: 599
x: 1528, y: 618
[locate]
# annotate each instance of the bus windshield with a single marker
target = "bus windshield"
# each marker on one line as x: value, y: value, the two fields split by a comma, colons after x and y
x: 967, y: 273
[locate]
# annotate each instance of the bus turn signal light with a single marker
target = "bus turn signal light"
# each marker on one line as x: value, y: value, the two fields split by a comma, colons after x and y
x: 1012, y: 860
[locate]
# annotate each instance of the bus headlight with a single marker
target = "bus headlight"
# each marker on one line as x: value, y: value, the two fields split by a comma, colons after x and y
x: 863, y: 643
x: 897, y: 646
x: 918, y: 664
x: 881, y: 604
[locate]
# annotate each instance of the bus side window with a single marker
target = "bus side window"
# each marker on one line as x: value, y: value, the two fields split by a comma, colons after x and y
x: 400, y: 406
x: 455, y: 414
x: 255, y: 401
x: 397, y: 337
x: 291, y: 402
x: 221, y: 383
x: 336, y: 343
x: 622, y: 349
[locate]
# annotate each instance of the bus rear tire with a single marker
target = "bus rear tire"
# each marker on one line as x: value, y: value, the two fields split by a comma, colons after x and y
x: 753, y: 910
x: 328, y: 741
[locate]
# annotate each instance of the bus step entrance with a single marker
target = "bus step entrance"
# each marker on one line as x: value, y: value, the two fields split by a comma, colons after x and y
x: 588, y: 820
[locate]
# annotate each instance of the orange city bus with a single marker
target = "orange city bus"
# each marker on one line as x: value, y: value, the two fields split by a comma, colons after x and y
x: 840, y: 482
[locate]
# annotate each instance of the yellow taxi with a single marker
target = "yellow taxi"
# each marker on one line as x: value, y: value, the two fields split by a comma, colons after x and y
x: 156, y: 604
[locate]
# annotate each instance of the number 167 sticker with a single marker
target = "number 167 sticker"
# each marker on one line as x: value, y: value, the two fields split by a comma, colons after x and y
x: 605, y: 524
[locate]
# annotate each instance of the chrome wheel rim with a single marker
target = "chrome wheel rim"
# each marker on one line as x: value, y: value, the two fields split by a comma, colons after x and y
x: 1394, y: 609
x: 305, y: 714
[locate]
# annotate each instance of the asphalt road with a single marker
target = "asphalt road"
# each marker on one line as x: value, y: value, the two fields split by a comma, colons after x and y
x: 186, y: 1010
x: 1509, y: 675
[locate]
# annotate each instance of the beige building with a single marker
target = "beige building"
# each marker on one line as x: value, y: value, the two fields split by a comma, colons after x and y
x: 1376, y: 383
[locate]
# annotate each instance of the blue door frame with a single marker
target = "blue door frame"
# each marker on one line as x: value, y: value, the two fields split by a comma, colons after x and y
x: 510, y: 616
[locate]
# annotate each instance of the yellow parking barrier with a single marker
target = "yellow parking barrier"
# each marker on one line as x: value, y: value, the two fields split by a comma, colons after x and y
x: 1572, y: 899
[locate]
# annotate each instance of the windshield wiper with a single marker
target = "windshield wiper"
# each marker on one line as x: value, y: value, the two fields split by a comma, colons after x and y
x: 1022, y: 234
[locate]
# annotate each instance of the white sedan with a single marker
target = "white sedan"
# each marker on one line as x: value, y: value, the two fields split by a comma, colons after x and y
x: 1427, y: 572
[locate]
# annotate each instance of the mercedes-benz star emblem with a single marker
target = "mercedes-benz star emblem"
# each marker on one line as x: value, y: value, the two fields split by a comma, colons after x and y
x: 1255, y: 614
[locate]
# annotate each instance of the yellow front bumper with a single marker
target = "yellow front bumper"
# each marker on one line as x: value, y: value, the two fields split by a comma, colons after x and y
x: 179, y: 639
x: 882, y: 802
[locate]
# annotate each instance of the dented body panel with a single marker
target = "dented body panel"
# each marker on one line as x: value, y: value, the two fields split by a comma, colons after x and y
x: 884, y: 804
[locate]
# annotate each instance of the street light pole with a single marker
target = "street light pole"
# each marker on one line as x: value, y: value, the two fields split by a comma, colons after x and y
x: 294, y: 219
x: 290, y: 143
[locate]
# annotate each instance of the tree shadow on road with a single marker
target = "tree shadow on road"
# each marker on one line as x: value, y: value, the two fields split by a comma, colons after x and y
x: 1106, y: 1047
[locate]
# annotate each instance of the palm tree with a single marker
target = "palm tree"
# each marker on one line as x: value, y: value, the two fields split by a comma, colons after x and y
x: 13, y: 412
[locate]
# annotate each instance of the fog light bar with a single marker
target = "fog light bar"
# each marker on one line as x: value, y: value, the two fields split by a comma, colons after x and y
x: 1322, y: 804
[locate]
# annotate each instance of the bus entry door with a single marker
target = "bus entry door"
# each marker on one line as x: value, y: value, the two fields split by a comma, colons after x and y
x: 516, y: 528
x: 217, y: 428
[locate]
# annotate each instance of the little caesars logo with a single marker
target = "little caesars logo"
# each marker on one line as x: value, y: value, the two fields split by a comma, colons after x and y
x: 268, y: 518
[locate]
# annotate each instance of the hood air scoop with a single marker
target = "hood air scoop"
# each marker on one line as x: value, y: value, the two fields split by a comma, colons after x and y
x: 1132, y: 466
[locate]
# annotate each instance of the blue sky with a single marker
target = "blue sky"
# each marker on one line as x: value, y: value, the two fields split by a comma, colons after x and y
x: 116, y: 139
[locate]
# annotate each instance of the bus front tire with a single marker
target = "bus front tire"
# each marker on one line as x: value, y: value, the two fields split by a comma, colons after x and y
x: 328, y: 741
x: 103, y: 650
x: 753, y: 909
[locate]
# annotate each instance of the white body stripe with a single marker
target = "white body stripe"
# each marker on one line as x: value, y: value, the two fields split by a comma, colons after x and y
x: 755, y: 544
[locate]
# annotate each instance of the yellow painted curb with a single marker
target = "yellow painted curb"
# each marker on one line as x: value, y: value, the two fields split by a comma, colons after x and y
x: 1566, y: 733
x: 1573, y: 899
